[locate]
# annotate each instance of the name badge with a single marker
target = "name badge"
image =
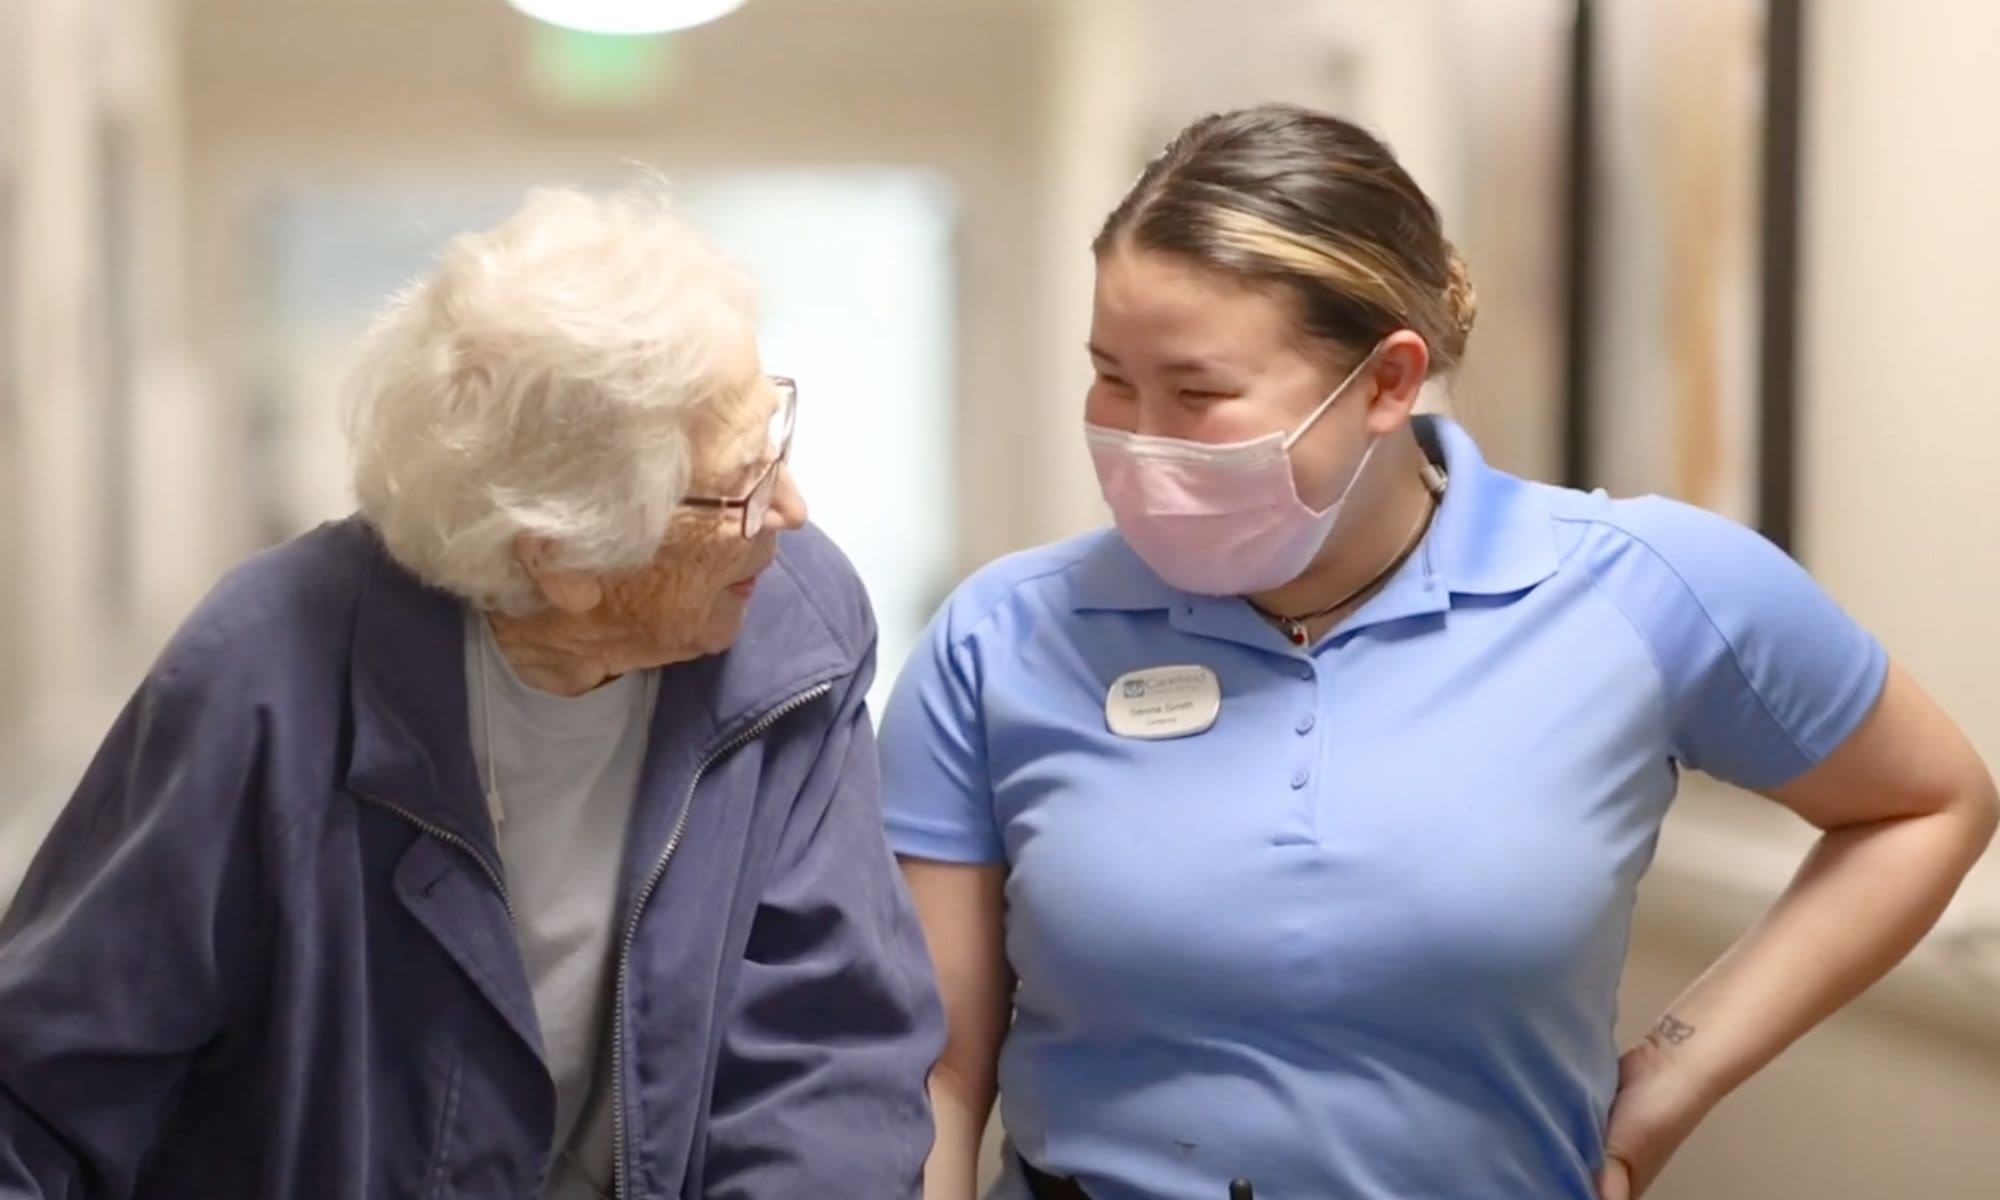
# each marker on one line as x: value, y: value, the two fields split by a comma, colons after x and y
x: 1163, y: 702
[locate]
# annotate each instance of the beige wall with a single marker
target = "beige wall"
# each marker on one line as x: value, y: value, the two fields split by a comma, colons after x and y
x: 12, y: 289
x: 1903, y: 247
x: 1505, y: 64
x: 74, y: 70
x: 54, y: 304
x: 1900, y: 511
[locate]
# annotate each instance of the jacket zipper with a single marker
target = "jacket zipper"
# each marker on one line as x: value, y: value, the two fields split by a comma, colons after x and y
x: 449, y: 838
x: 620, y: 1171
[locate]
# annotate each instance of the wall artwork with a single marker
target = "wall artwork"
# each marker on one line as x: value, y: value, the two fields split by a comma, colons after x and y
x: 1683, y: 272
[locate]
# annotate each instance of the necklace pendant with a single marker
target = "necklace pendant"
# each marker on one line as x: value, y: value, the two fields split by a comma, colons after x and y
x: 1296, y: 631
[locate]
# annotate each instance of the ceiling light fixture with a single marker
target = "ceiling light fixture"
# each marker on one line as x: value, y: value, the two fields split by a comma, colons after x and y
x: 627, y: 16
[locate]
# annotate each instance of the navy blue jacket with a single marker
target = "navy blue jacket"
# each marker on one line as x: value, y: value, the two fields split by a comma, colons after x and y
x: 266, y: 950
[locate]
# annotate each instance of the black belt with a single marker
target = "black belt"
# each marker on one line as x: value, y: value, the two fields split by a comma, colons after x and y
x: 1044, y: 1186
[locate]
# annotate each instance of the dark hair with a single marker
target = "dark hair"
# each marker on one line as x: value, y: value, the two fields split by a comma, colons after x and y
x: 1285, y: 195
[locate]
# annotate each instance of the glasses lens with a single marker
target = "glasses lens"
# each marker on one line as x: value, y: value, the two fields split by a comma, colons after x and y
x: 785, y: 416
x: 758, y: 505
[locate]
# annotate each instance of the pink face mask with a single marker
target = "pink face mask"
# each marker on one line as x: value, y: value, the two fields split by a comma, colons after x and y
x: 1217, y: 520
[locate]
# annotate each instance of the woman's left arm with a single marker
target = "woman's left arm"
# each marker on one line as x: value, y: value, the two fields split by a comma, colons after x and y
x: 834, y: 1021
x: 1905, y: 808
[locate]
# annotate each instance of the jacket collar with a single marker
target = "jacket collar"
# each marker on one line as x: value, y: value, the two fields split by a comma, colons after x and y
x: 411, y: 744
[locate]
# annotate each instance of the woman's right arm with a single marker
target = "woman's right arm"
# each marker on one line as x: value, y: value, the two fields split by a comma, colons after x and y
x: 130, y: 939
x: 962, y: 908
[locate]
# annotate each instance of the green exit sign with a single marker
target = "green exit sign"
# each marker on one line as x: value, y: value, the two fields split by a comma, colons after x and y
x: 598, y: 68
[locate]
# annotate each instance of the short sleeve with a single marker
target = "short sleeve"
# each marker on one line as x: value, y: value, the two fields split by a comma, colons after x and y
x: 936, y: 796
x: 1765, y: 674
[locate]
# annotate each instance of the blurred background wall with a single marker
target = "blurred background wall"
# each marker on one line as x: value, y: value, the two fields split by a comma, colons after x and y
x: 202, y: 200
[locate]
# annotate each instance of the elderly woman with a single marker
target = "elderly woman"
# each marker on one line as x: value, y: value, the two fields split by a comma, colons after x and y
x: 517, y: 837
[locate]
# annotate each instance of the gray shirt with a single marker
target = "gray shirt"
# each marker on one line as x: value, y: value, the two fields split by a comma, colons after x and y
x: 561, y: 774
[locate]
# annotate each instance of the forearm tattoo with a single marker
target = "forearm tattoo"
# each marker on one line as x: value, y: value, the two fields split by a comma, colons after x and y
x: 1671, y: 1031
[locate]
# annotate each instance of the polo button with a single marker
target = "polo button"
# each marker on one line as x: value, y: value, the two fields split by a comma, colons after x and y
x: 1305, y: 671
x: 1299, y: 778
x: 1305, y: 724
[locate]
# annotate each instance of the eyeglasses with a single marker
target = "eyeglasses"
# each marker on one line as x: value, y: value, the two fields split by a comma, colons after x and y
x: 756, y: 503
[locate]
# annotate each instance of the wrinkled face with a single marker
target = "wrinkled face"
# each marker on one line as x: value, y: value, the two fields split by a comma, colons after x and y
x: 691, y: 599
x: 1185, y: 352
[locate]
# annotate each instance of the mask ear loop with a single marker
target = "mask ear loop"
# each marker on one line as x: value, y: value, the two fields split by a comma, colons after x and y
x: 1312, y: 419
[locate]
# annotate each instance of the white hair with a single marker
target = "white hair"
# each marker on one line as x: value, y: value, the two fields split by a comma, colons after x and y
x: 540, y: 383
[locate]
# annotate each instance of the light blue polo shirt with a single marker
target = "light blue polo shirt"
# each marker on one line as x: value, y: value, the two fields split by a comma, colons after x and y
x: 1362, y: 938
